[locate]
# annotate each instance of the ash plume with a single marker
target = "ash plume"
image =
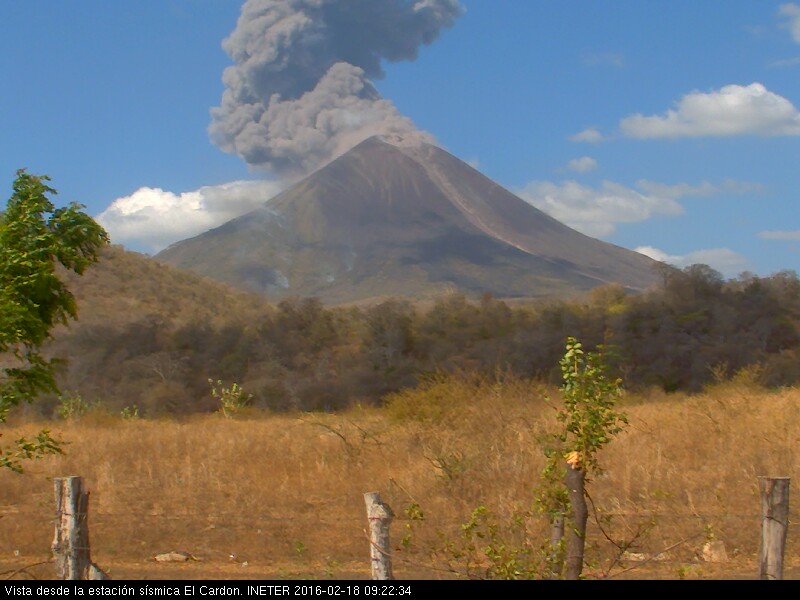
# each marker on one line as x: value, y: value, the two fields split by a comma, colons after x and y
x: 299, y: 92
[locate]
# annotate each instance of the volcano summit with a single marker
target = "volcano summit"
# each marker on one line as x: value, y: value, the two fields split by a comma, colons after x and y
x: 393, y: 219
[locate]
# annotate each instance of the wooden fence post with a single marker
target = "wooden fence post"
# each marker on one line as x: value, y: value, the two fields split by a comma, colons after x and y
x: 379, y: 516
x: 774, y: 525
x: 71, y: 542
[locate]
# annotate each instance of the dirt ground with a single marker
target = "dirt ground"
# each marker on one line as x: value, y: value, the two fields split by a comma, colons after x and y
x: 740, y: 569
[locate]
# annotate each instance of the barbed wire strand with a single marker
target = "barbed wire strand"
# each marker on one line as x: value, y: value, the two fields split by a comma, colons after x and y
x: 392, y: 556
x: 24, y: 569
x: 652, y: 557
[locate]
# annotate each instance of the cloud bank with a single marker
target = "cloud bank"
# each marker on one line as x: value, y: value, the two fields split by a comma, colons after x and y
x: 590, y: 136
x: 732, y: 110
x: 584, y: 164
x: 151, y: 219
x: 724, y: 260
x: 597, y: 211
x: 300, y: 92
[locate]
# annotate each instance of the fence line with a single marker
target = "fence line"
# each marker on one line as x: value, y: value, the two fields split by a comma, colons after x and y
x: 262, y: 517
x: 71, y: 524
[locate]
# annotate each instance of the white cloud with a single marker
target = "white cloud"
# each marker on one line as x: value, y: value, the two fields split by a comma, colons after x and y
x: 786, y: 236
x: 724, y: 260
x: 657, y: 254
x: 596, y: 212
x: 732, y: 110
x: 584, y: 164
x: 151, y: 218
x: 791, y: 11
x: 475, y: 163
x: 590, y: 135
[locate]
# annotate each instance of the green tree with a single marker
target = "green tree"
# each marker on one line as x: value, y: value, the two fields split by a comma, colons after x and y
x: 36, y: 239
x: 590, y: 421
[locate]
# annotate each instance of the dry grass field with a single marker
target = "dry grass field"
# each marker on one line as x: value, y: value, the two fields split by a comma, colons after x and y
x: 280, y: 496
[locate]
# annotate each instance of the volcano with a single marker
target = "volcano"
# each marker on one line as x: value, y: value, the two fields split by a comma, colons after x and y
x: 392, y: 220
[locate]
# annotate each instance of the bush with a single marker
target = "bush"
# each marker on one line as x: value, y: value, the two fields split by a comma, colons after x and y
x: 231, y: 399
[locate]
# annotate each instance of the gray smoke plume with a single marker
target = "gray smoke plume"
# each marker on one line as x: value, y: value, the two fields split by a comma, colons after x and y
x: 300, y: 92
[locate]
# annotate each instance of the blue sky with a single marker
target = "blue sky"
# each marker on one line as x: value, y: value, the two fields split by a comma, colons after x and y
x: 668, y: 127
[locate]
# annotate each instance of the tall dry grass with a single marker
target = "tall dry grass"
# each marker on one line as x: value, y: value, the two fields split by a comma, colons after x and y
x: 282, y: 495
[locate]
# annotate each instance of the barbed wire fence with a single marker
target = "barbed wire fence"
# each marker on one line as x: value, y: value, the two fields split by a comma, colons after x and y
x: 309, y: 544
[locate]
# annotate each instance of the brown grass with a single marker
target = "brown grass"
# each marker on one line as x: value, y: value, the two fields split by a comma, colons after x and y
x: 281, y: 496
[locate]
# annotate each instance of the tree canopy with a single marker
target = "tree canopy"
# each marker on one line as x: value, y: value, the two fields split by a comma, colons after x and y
x: 36, y: 239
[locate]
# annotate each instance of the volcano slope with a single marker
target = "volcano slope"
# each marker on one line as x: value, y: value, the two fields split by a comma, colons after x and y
x: 393, y: 220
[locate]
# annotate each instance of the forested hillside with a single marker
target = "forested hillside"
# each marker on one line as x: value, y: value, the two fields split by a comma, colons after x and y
x: 151, y: 336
